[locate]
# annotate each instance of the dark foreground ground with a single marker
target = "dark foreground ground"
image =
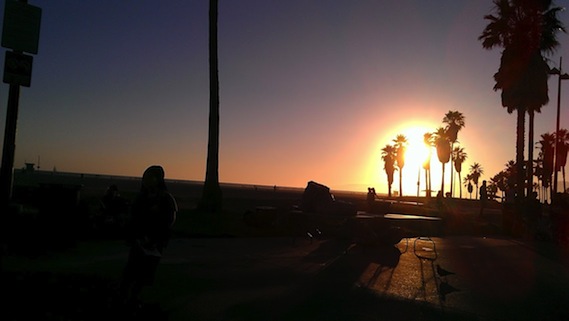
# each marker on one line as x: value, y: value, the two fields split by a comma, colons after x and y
x: 454, y: 278
x: 228, y: 270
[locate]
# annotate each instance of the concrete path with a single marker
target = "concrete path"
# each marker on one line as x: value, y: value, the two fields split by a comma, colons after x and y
x: 450, y: 278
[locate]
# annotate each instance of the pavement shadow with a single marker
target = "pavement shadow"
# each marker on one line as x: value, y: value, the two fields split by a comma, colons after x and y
x: 335, y: 293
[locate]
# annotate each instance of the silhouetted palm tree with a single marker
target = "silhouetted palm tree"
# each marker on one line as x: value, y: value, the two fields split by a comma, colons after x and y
x: 400, y: 147
x: 428, y: 141
x: 468, y: 183
x: 524, y: 29
x: 547, y: 152
x: 511, y: 174
x: 455, y: 122
x: 459, y: 156
x: 538, y: 167
x: 443, y: 152
x: 476, y: 171
x: 388, y: 156
x: 211, y: 195
x: 562, y: 153
x: 500, y: 181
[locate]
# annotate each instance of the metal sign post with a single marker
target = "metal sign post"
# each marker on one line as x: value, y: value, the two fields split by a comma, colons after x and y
x: 21, y: 34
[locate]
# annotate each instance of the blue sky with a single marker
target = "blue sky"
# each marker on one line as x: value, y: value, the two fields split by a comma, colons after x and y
x: 310, y: 90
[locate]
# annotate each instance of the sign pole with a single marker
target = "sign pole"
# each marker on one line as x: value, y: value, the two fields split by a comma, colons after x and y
x: 20, y: 32
x: 9, y: 148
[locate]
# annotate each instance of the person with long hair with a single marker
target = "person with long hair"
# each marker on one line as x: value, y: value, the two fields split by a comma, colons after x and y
x: 153, y: 215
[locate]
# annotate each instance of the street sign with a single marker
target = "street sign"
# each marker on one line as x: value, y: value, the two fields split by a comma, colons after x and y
x: 18, y: 69
x: 21, y: 29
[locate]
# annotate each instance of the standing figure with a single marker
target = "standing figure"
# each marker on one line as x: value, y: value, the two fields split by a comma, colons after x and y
x: 153, y: 214
x: 483, y: 197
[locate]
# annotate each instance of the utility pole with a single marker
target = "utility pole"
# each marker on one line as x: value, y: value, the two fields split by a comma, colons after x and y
x: 561, y: 76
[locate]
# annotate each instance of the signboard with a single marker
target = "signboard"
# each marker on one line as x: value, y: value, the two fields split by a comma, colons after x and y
x: 18, y: 69
x: 21, y: 29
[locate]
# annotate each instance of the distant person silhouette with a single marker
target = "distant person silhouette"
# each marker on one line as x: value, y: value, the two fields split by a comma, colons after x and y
x: 153, y: 214
x: 371, y: 195
x: 483, y: 197
x: 113, y: 206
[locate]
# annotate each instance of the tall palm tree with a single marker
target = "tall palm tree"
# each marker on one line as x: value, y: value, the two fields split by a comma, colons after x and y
x: 443, y: 152
x: 388, y: 155
x: 547, y: 152
x: 538, y: 170
x: 476, y: 171
x: 211, y: 195
x: 454, y: 121
x: 524, y: 29
x: 562, y: 153
x: 458, y: 157
x: 400, y: 147
x: 428, y: 141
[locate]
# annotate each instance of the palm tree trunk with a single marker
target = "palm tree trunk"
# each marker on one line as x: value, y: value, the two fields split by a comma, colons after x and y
x: 459, y: 185
x: 419, y: 181
x: 400, y: 182
x: 530, y: 154
x: 520, y: 176
x: 443, y: 181
x: 451, y: 170
x: 430, y: 188
x: 211, y: 195
x: 427, y: 188
x: 563, y: 172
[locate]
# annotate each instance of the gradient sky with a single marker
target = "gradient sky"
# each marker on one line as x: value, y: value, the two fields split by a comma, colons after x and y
x: 310, y: 89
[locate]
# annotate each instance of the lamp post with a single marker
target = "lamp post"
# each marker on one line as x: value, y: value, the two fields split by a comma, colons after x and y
x: 561, y: 76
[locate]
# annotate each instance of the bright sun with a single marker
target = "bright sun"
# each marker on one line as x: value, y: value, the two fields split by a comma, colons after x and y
x: 415, y: 156
x: 414, y: 177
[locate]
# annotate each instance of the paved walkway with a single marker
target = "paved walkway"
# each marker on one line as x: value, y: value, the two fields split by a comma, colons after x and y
x: 451, y: 278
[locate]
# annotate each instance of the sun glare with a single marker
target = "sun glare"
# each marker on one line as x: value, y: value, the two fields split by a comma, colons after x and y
x: 415, y: 156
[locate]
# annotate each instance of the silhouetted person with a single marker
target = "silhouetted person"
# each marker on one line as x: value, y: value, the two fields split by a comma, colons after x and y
x: 370, y: 198
x: 153, y: 214
x: 113, y: 206
x: 483, y: 197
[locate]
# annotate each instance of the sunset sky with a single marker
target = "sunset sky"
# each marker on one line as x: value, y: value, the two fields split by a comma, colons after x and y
x: 310, y: 89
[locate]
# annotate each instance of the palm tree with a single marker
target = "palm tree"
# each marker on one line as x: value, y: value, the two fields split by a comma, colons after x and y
x: 388, y: 155
x: 455, y: 122
x: 500, y: 181
x: 524, y: 29
x: 443, y: 152
x: 539, y: 173
x: 468, y: 183
x: 459, y: 156
x: 511, y: 177
x: 211, y: 195
x: 562, y: 153
x: 492, y: 190
x: 476, y: 171
x: 400, y: 147
x: 547, y: 152
x: 428, y: 141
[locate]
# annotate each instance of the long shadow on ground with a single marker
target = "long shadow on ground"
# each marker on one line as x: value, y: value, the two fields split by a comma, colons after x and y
x: 333, y: 294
